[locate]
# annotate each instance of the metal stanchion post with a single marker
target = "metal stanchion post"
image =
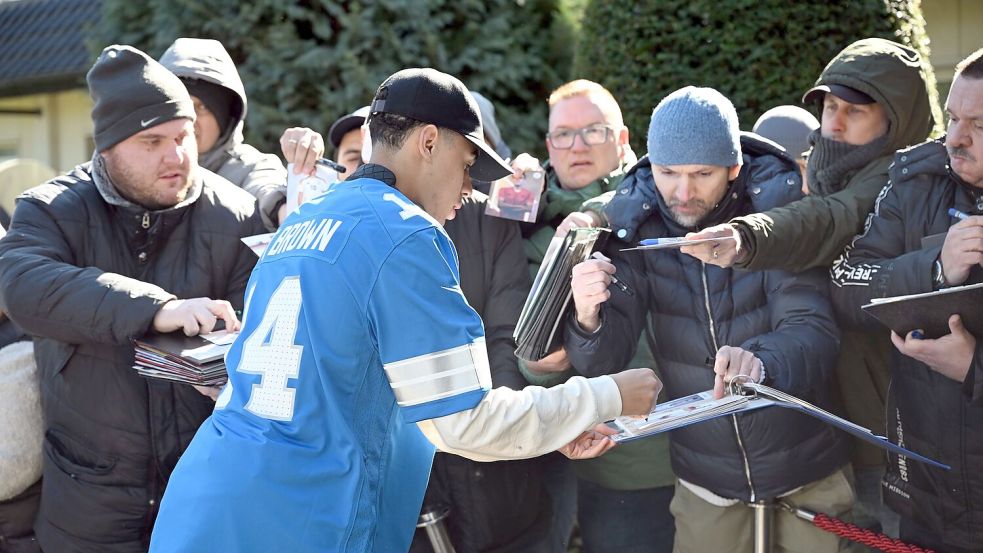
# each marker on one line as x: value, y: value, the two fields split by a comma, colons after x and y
x: 432, y: 520
x: 764, y: 517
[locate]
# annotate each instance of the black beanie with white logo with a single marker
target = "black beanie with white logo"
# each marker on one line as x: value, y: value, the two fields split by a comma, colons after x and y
x: 132, y: 92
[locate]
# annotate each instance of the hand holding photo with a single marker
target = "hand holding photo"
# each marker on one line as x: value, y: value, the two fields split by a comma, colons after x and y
x: 304, y: 188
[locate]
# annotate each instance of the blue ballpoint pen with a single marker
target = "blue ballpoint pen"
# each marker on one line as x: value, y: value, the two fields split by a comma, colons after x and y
x: 957, y: 214
x: 658, y: 241
x: 674, y: 242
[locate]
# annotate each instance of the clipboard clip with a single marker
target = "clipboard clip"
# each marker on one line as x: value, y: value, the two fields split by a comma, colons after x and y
x: 739, y: 386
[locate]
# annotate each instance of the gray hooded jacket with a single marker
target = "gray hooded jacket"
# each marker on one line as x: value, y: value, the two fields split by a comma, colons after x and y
x: 262, y: 175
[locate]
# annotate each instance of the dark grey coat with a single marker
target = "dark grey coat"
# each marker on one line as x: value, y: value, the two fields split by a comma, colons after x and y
x: 926, y: 411
x: 85, y: 278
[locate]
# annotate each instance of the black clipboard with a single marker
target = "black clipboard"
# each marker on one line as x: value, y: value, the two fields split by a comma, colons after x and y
x: 930, y: 311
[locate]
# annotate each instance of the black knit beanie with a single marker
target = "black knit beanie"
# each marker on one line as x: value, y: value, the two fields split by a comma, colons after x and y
x: 218, y: 99
x: 132, y: 92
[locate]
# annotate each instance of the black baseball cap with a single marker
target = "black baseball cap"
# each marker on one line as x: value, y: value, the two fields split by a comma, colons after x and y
x: 848, y: 93
x: 347, y: 123
x: 429, y: 96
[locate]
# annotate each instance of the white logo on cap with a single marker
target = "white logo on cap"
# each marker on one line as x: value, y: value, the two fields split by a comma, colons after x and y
x: 148, y: 121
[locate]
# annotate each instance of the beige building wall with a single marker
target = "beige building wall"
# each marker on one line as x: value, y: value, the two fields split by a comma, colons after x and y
x: 54, y: 129
x: 954, y: 30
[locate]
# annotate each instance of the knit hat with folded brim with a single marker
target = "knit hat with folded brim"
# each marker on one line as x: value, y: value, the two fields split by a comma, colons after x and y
x: 694, y: 126
x: 131, y: 92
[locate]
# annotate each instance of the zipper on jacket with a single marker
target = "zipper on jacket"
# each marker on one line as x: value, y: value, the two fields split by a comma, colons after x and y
x: 716, y: 347
x: 146, y: 220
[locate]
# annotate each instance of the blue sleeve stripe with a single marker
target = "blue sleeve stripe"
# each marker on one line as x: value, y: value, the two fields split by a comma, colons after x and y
x: 443, y: 407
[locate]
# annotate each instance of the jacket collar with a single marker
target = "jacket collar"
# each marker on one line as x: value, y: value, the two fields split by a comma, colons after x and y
x: 374, y: 171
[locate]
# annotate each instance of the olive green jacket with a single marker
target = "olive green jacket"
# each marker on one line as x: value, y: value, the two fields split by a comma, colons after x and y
x: 813, y: 232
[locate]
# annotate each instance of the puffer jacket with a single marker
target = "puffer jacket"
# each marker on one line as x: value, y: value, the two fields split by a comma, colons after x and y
x: 262, y: 175
x: 85, y: 277
x: 926, y: 412
x: 785, y: 319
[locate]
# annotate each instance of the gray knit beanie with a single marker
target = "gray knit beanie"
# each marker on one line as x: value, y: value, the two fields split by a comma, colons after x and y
x: 694, y: 126
x: 132, y: 92
x: 789, y: 127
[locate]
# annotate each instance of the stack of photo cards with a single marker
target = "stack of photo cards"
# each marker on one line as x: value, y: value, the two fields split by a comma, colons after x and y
x: 198, y: 360
x: 536, y: 332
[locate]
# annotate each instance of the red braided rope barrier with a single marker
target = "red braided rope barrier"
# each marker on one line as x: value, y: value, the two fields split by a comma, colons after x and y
x: 862, y: 535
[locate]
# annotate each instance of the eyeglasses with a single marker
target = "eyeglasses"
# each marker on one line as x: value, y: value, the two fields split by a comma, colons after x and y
x: 592, y: 136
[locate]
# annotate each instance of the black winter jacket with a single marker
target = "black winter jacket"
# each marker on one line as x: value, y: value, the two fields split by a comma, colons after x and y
x: 926, y: 412
x: 785, y: 319
x: 500, y: 506
x: 86, y: 277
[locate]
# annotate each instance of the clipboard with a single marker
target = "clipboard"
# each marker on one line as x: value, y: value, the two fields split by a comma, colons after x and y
x: 930, y: 311
x: 744, y: 396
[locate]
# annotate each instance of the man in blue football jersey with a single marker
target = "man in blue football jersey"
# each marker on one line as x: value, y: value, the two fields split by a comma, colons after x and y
x: 355, y: 329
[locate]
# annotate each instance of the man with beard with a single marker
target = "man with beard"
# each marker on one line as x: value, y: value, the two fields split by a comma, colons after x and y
x: 914, y: 242
x: 139, y: 239
x: 706, y: 325
x: 874, y: 99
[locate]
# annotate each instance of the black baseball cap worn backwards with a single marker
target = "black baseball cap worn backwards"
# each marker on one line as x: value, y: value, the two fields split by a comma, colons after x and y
x: 429, y: 96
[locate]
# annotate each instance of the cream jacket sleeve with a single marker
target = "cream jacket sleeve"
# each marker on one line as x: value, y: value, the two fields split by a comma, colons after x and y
x: 517, y: 424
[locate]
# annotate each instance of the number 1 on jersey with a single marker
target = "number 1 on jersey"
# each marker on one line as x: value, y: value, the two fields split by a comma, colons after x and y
x: 270, y: 352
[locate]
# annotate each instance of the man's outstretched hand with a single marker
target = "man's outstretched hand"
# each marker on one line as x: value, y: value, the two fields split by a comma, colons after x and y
x: 195, y: 316
x: 590, y: 444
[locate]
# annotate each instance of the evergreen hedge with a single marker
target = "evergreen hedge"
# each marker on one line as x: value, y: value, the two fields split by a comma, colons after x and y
x: 309, y: 62
x: 759, y: 53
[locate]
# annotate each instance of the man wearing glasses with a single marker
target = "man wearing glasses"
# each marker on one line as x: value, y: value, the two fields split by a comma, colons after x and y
x: 588, y: 156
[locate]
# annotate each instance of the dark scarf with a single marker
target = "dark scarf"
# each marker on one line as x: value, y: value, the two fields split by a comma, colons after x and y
x: 832, y: 163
